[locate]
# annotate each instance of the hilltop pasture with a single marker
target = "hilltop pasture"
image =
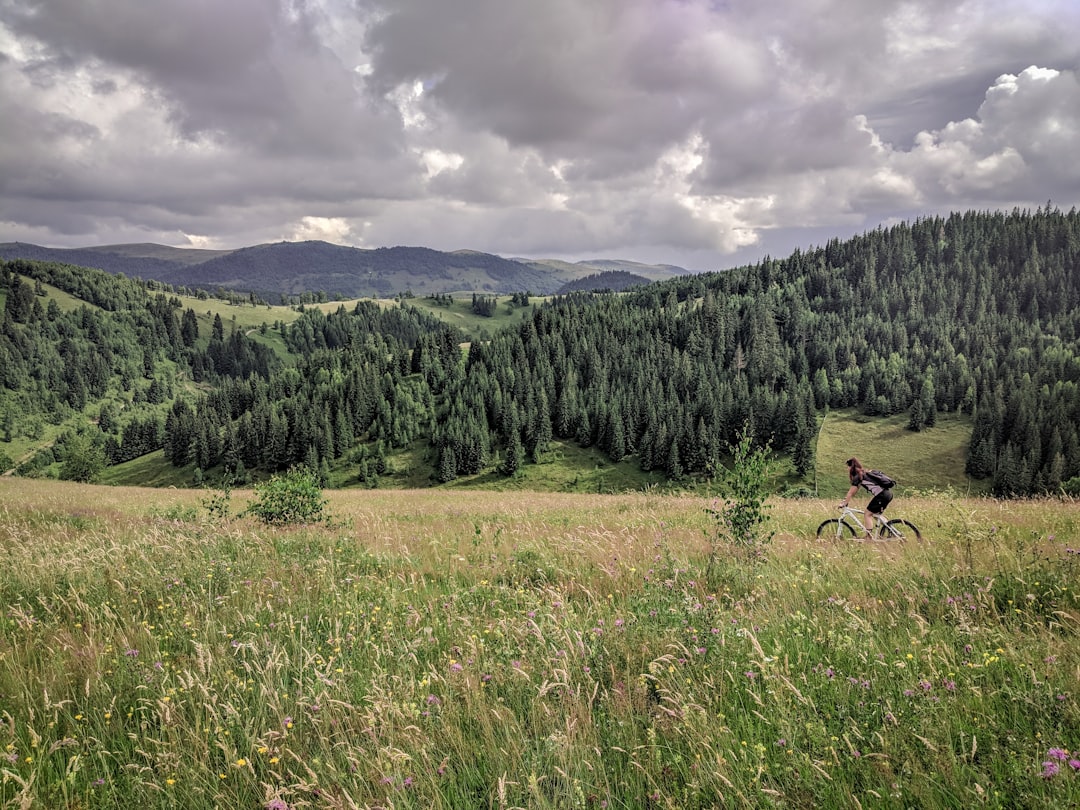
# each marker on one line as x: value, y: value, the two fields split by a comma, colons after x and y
x: 447, y: 648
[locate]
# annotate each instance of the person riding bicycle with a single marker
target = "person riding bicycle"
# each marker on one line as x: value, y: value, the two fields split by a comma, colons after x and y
x: 882, y: 495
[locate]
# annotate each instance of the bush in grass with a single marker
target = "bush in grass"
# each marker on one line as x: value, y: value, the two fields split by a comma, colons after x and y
x: 741, y: 521
x: 294, y: 497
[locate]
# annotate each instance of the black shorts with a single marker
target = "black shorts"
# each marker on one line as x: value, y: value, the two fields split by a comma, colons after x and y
x: 879, y: 502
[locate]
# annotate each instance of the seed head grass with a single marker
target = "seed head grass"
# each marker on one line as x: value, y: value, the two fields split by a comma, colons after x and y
x: 473, y: 649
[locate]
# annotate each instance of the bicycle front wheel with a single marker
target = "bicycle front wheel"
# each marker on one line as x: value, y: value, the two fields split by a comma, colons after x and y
x: 834, y: 529
x: 899, y: 530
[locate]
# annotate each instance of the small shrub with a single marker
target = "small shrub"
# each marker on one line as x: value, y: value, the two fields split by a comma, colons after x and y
x: 292, y: 498
x: 741, y: 519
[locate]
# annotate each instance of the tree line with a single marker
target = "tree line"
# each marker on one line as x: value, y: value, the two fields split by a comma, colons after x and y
x: 977, y: 313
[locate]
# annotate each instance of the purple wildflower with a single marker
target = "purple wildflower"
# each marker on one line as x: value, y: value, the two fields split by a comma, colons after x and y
x: 277, y: 804
x: 1060, y: 754
x: 1050, y: 769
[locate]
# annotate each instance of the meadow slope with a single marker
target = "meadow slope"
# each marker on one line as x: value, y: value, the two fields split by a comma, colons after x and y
x: 474, y: 649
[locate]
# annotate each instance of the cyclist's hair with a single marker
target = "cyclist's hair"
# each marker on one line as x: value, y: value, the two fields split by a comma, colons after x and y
x: 855, y: 467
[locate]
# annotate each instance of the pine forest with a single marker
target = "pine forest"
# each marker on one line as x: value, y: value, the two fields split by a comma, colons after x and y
x: 975, y: 314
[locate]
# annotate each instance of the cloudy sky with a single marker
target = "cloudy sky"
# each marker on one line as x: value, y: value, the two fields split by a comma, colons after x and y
x: 703, y: 133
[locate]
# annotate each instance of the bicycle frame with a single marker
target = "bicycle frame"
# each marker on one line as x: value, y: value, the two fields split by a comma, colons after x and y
x: 850, y: 517
x: 880, y: 524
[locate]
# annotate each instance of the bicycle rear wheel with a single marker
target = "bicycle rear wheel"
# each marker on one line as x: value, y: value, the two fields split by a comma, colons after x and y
x: 899, y: 529
x: 834, y: 529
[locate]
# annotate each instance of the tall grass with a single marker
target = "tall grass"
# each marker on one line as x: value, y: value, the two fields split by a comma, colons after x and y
x: 470, y: 649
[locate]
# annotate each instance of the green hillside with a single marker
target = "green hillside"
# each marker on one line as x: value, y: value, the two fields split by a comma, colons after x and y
x: 930, y: 460
x: 944, y: 350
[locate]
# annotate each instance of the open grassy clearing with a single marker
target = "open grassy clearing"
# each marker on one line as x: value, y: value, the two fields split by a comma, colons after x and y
x: 451, y: 648
x: 927, y: 461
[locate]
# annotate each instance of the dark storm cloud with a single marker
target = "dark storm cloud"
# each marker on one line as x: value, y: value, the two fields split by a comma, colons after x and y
x: 250, y: 70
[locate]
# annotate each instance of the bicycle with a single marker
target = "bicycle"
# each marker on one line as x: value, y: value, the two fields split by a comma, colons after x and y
x: 892, y: 530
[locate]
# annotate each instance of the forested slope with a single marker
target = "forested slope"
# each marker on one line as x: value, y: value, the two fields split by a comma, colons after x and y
x: 976, y: 313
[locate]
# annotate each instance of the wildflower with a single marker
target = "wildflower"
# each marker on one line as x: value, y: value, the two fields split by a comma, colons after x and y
x: 432, y: 700
x: 1050, y: 769
x: 751, y: 674
x: 131, y: 653
x: 1074, y: 763
x: 240, y: 763
x: 287, y: 723
x: 1060, y: 754
x: 277, y: 804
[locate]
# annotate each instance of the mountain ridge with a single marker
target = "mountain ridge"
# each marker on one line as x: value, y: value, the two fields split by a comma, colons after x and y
x: 282, y: 269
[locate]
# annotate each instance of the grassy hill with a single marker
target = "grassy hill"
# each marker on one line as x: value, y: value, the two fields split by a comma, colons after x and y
x: 462, y: 649
x: 930, y: 460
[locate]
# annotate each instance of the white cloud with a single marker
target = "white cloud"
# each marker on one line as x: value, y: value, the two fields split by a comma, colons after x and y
x: 328, y: 229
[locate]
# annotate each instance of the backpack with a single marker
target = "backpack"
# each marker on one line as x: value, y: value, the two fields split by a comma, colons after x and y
x: 879, y: 478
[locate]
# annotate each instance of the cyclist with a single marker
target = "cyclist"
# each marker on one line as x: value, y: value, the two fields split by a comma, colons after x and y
x: 882, y: 495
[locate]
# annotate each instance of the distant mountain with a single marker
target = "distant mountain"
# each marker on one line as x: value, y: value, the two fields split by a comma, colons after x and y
x: 291, y: 268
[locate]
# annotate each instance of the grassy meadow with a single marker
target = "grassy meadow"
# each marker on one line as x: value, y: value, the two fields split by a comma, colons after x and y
x: 458, y: 649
